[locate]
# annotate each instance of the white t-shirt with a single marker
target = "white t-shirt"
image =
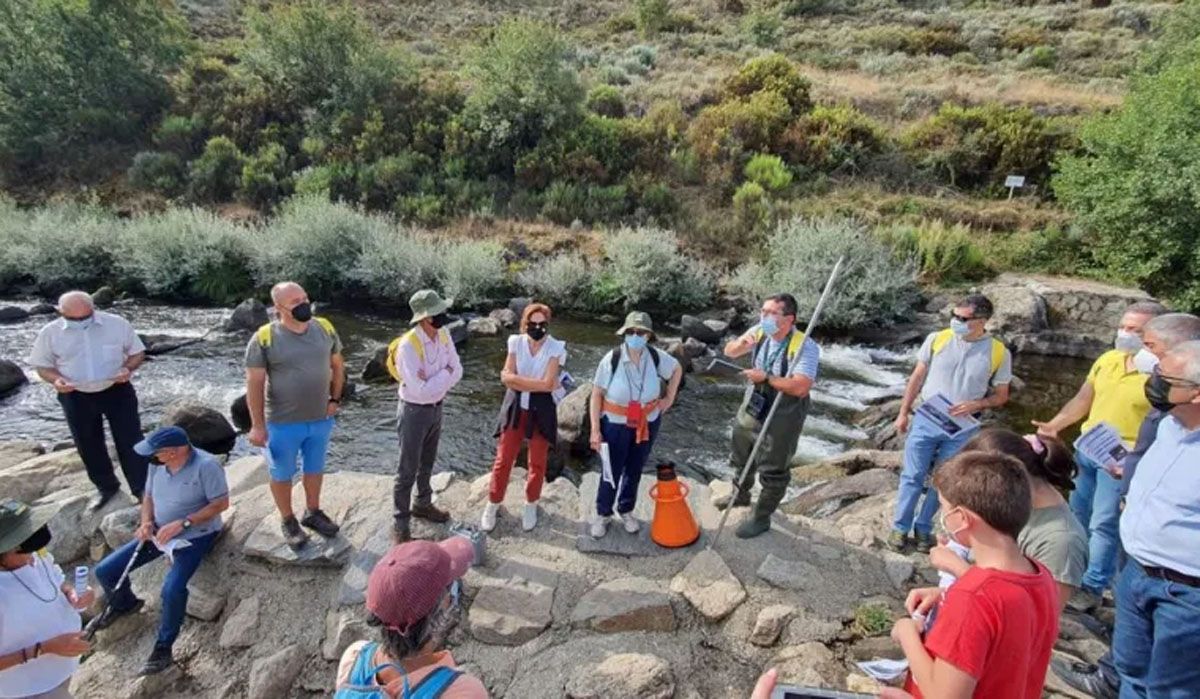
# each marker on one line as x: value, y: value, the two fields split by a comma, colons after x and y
x: 25, y: 620
x: 533, y: 366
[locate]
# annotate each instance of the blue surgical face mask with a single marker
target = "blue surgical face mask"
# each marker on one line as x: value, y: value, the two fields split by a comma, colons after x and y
x: 769, y: 324
x: 80, y: 323
x: 635, y: 342
x: 960, y: 327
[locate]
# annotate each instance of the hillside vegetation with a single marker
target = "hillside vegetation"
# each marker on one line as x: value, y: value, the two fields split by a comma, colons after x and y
x: 727, y: 121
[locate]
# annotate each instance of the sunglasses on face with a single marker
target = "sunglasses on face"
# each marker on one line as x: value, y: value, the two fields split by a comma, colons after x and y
x: 640, y: 333
x: 957, y: 316
x: 543, y: 325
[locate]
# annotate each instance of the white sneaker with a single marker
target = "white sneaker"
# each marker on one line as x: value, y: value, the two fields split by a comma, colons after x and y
x: 599, y: 527
x: 631, y: 524
x: 529, y: 516
x: 488, y: 523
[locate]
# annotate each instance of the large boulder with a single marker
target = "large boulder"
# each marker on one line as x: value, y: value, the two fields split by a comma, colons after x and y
x: 247, y: 316
x: 207, y: 428
x: 239, y: 413
x: 12, y: 377
x: 574, y: 428
x: 505, y: 317
x: 104, y: 297
x: 273, y: 676
x: 625, y: 675
x: 12, y: 314
x: 627, y: 604
x: 825, y: 499
x: 50, y: 473
x: 375, y: 370
x: 809, y: 664
x: 458, y: 331
x: 517, y: 305
x: 708, y: 584
x: 511, y: 611
x: 710, y: 332
x: 42, y: 309
x: 483, y: 326
x: 241, y: 626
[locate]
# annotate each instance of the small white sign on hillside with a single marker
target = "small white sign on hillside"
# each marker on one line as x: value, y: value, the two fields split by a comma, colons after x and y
x: 1013, y: 182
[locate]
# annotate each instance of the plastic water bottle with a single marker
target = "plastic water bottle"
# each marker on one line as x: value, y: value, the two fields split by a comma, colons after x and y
x: 81, y: 580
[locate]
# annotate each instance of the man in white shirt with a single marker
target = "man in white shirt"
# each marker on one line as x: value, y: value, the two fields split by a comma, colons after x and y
x: 426, y: 364
x: 89, y: 357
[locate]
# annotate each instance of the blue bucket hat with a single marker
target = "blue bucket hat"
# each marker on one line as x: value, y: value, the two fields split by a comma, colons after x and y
x: 162, y: 438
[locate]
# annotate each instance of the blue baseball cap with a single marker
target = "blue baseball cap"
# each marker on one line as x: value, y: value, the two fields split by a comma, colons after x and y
x: 162, y: 438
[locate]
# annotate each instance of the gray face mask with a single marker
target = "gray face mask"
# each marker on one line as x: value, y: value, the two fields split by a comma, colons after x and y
x: 960, y: 327
x: 80, y: 323
x: 1128, y: 342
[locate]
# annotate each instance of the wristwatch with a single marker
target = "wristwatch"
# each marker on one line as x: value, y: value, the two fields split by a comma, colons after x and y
x: 338, y: 401
x: 187, y: 523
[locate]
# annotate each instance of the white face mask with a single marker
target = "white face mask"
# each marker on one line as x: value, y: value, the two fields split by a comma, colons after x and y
x: 1128, y: 342
x: 1145, y: 361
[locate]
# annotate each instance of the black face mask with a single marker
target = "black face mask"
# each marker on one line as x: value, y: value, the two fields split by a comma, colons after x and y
x: 536, y: 331
x: 36, y: 541
x: 440, y: 320
x: 1158, y: 393
x: 302, y: 312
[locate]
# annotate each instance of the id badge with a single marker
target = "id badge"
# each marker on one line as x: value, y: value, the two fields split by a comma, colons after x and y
x: 633, y: 412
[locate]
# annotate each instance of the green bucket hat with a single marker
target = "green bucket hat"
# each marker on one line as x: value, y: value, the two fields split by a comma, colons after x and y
x: 426, y: 303
x: 638, y: 320
x: 19, y: 521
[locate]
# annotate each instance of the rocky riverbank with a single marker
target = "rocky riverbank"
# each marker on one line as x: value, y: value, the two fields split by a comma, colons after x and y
x: 551, y: 613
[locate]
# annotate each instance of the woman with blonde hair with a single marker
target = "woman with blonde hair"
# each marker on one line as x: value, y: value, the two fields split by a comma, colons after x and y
x: 529, y: 411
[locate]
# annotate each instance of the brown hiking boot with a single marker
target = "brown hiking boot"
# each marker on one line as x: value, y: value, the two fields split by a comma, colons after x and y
x: 429, y: 513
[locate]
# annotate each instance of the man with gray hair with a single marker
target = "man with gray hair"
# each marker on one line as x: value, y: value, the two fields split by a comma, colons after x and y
x: 1161, y: 335
x: 1158, y: 593
x: 1112, y: 394
x: 89, y: 357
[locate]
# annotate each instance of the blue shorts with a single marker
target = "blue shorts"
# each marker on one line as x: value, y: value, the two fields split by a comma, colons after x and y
x: 289, y: 441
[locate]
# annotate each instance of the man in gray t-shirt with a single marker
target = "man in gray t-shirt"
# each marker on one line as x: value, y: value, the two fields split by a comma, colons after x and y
x: 973, y: 371
x: 294, y: 380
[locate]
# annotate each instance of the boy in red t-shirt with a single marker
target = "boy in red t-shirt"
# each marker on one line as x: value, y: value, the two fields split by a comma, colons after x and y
x: 996, y: 626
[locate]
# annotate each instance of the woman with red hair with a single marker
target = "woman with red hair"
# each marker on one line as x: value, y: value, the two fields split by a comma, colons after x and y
x: 529, y: 411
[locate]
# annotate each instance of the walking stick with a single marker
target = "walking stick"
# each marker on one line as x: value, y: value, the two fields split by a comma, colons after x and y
x: 90, y: 630
x: 812, y: 323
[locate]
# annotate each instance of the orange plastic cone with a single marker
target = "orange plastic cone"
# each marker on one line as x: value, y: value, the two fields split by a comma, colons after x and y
x: 673, y: 525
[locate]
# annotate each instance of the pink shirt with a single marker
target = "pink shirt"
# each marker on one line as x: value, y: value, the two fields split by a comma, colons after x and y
x: 441, y: 370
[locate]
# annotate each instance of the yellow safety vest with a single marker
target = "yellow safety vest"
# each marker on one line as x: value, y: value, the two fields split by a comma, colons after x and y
x: 944, y: 337
x: 264, y: 332
x: 411, y: 338
x: 793, y: 347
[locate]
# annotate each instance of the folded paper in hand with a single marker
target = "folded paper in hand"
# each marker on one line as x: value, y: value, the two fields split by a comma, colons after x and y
x: 937, y: 409
x: 1102, y: 445
x: 169, y: 549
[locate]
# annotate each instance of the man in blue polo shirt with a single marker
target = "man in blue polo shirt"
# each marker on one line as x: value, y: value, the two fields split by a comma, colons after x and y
x: 186, y: 493
x: 1158, y: 592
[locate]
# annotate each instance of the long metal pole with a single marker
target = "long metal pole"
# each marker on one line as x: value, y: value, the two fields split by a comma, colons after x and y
x: 812, y: 323
x: 90, y: 630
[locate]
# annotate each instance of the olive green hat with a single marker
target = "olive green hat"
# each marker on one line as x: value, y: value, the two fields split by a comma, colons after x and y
x: 638, y: 320
x: 426, y: 303
x: 19, y: 521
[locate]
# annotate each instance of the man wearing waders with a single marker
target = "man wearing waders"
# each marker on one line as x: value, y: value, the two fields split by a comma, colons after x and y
x: 783, y: 368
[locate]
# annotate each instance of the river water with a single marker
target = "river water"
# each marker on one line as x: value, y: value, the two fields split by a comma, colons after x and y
x: 695, y: 434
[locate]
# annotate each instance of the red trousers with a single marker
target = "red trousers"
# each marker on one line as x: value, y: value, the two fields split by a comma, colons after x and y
x: 506, y: 454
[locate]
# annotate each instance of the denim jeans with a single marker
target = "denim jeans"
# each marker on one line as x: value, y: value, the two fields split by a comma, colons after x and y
x: 925, y: 447
x: 1096, y: 503
x: 628, y: 458
x: 1154, y: 642
x: 174, y: 587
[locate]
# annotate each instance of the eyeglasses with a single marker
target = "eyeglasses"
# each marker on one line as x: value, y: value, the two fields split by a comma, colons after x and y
x: 1177, y: 382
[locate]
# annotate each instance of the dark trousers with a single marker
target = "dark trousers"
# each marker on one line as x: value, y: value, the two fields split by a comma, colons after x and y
x: 85, y: 413
x: 420, y: 429
x: 174, y: 587
x: 628, y: 458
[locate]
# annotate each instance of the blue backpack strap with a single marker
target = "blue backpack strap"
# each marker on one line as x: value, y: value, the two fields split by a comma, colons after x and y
x: 435, y: 683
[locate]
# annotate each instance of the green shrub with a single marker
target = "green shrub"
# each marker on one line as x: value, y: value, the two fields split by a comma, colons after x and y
x: 751, y: 206
x: 763, y: 27
x: 607, y: 101
x: 472, y: 272
x: 181, y: 135
x: 652, y: 16
x: 265, y: 176
x: 658, y: 202
x: 874, y: 287
x: 829, y: 138
x: 157, y: 172
x: 396, y: 262
x: 977, y: 147
x: 563, y: 202
x: 723, y: 133
x: 316, y: 243
x: 424, y: 208
x: 649, y: 271
x: 216, y: 174
x: 770, y: 73
x: 185, y: 254
x: 914, y: 41
x: 871, y: 620
x: 1134, y: 187
x: 76, y: 74
x: 56, y: 247
x: 946, y: 253
x: 381, y: 182
x: 523, y: 88
x: 565, y: 281
x: 768, y: 171
x: 1039, y: 57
